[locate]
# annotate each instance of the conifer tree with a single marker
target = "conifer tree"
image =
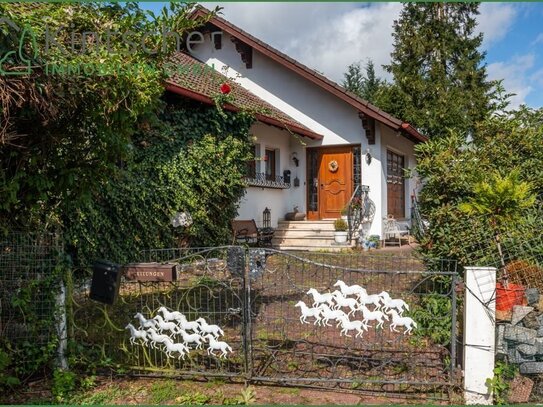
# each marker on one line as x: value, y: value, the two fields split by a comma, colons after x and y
x: 366, y: 85
x: 440, y: 80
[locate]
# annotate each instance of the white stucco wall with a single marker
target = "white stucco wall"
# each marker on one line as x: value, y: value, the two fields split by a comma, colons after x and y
x: 279, y: 201
x: 320, y: 111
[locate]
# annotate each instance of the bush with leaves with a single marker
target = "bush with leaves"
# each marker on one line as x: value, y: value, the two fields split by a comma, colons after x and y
x: 190, y: 158
x: 500, y: 167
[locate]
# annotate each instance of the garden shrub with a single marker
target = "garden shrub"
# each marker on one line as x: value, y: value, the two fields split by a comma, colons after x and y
x: 190, y: 158
x: 451, y: 169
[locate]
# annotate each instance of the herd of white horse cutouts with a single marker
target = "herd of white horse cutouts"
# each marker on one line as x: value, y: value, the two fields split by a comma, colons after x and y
x: 162, y: 331
x: 329, y: 306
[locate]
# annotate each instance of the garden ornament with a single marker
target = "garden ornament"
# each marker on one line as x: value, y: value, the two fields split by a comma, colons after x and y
x: 163, y: 325
x: 175, y: 347
x: 328, y: 314
x: 342, y: 301
x: 320, y: 298
x: 373, y: 316
x: 217, y: 345
x: 401, y: 321
x: 210, y: 329
x: 145, y: 323
x: 182, y: 219
x: 191, y: 338
x: 349, y: 290
x: 389, y: 303
x: 170, y: 316
x: 185, y: 325
x: 136, y: 334
x: 308, y: 312
x: 156, y: 337
x: 347, y: 326
x: 370, y: 299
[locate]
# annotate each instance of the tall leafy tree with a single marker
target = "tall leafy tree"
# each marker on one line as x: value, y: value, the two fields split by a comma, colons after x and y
x: 440, y: 80
x: 365, y: 84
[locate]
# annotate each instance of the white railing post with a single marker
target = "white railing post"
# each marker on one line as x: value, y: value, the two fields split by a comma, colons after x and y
x: 479, y: 333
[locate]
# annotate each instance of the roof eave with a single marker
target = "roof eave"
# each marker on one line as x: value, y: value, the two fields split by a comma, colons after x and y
x: 182, y: 91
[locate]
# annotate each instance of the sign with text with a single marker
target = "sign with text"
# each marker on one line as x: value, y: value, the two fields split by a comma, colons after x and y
x: 150, y: 272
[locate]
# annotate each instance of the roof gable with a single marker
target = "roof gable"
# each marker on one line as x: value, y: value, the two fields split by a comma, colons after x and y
x: 366, y: 109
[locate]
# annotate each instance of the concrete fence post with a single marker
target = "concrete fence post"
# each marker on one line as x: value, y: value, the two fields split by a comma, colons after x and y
x: 479, y: 333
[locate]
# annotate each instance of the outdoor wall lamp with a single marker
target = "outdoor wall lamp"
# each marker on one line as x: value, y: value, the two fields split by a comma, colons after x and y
x: 295, y: 159
x: 368, y: 156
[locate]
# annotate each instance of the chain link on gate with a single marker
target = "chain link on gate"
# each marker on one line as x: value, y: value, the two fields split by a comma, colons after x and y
x: 251, y: 294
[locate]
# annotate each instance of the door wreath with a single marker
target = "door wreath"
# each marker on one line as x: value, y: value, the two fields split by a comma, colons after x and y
x: 333, y: 166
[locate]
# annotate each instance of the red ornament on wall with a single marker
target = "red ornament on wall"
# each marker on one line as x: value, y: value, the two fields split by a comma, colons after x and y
x: 225, y: 89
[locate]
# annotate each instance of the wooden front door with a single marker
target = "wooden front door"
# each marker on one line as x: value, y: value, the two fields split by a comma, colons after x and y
x: 395, y: 185
x: 335, y: 180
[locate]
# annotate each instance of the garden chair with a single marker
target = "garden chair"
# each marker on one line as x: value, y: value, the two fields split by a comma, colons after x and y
x: 393, y: 230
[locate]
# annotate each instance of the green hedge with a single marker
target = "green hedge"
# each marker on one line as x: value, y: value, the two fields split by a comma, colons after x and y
x: 190, y: 158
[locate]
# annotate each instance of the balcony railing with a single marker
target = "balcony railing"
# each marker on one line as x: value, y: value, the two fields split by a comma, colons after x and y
x: 262, y: 180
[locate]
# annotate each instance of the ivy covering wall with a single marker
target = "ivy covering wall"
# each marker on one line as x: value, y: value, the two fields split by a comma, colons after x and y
x: 190, y: 158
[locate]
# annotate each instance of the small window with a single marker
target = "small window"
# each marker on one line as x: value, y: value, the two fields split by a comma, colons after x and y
x: 270, y: 165
x: 252, y: 164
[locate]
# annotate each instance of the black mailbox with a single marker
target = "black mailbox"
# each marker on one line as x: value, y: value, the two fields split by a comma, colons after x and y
x: 286, y: 176
x: 106, y: 278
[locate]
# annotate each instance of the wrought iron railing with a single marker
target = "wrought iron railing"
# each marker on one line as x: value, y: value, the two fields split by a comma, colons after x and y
x: 360, y: 209
x: 263, y: 180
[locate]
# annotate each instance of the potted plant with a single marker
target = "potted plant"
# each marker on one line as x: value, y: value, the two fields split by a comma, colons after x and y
x: 340, y: 234
x: 345, y: 213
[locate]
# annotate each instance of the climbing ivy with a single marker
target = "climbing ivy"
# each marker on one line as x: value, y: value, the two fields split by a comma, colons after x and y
x: 189, y: 158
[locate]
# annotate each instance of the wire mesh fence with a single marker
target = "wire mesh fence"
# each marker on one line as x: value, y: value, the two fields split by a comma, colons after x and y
x: 30, y: 276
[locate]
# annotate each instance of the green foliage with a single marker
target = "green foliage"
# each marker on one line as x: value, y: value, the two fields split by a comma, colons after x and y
x: 340, y: 225
x: 433, y: 316
x: 489, y: 172
x: 193, y: 399
x: 190, y: 158
x: 33, y: 353
x: 365, y: 85
x: 499, y: 384
x: 64, y: 383
x: 63, y: 135
x: 501, y: 198
x: 439, y: 76
x: 7, y: 380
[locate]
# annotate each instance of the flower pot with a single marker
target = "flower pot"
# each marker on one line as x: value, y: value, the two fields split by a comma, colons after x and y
x: 345, y: 217
x: 340, y: 237
x: 507, y: 298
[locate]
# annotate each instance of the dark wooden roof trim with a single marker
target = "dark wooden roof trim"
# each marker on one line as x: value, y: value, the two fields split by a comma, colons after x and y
x: 245, y: 51
x: 179, y: 90
x: 368, y: 124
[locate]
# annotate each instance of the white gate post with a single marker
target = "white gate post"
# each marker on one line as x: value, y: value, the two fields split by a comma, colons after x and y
x: 479, y: 333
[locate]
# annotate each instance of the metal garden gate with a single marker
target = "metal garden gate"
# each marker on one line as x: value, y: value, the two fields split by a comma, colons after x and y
x: 251, y: 294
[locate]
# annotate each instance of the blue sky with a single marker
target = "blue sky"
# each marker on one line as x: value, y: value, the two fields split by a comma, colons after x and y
x: 330, y: 36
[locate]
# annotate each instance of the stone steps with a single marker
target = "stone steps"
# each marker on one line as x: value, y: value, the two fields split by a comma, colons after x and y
x: 306, y: 235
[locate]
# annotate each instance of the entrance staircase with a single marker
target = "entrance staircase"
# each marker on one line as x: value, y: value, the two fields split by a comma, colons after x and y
x: 306, y: 235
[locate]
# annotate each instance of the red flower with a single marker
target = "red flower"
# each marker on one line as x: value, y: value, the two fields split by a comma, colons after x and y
x: 225, y: 89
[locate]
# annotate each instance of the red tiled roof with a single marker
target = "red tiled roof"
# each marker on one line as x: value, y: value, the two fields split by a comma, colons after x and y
x: 196, y: 80
x: 362, y: 105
